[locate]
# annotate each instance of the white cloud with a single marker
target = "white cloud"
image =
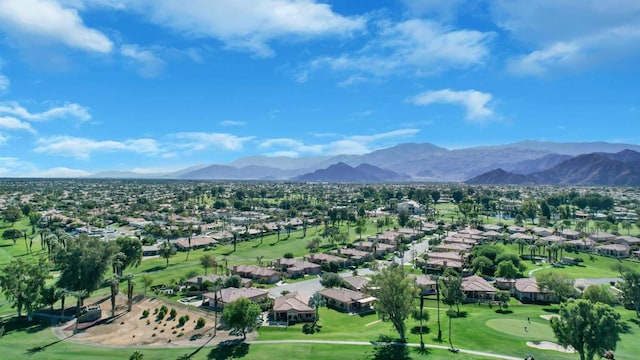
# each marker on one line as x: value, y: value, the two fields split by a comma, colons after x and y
x: 199, y: 141
x: 475, y: 102
x: 227, y: 123
x: 11, y: 166
x: 3, y: 139
x: 58, y: 172
x: 11, y: 123
x: 49, y: 21
x: 355, y: 144
x: 599, y: 32
x: 4, y: 84
x: 149, y: 64
x: 83, y: 148
x: 420, y: 47
x: 247, y: 24
x: 68, y: 110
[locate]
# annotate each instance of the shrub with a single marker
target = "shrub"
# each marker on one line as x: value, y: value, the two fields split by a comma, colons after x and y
x: 153, y: 335
x: 155, y: 311
x: 181, y: 334
x: 145, y: 313
x: 182, y: 320
x: 201, y: 322
x: 173, y: 313
x: 288, y: 255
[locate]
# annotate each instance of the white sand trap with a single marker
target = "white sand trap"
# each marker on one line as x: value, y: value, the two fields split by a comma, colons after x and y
x: 548, y: 345
x: 548, y: 317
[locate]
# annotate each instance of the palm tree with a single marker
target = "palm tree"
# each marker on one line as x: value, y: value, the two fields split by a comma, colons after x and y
x: 130, y: 285
x: 217, y: 286
x: 532, y: 250
x: 147, y: 280
x: 438, y: 303
x: 62, y: 294
x: 114, y: 284
x: 207, y: 261
x: 316, y: 301
x: 235, y: 239
x: 259, y: 259
x: 137, y: 355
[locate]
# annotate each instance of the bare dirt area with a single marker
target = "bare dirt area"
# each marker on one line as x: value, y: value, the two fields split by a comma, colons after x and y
x: 133, y: 329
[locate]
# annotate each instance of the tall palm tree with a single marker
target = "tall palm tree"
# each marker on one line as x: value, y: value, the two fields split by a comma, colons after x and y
x: 114, y: 284
x: 130, y: 285
x: 217, y: 286
x: 316, y: 301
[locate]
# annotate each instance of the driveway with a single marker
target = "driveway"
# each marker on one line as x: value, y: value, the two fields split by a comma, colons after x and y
x: 419, y: 249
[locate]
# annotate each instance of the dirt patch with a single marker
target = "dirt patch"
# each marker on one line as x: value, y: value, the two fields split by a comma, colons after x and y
x: 133, y: 329
x: 548, y: 345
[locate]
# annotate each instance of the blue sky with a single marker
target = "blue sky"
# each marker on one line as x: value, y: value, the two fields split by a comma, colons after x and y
x: 158, y: 85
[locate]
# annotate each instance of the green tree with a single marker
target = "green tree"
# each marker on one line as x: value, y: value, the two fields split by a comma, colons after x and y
x: 630, y: 288
x: 132, y: 249
x: 396, y: 294
x: 166, y: 250
x: 233, y: 281
x: 147, y: 280
x: 507, y: 269
x: 560, y: 284
x: 208, y: 261
x: 502, y: 297
x: 11, y: 214
x: 23, y: 284
x: 240, y: 315
x: 591, y: 329
x: 316, y: 301
x: 83, y: 263
x: 483, y: 265
x: 403, y: 218
x: 529, y: 209
x: 598, y: 293
x: 330, y: 279
x: 451, y: 287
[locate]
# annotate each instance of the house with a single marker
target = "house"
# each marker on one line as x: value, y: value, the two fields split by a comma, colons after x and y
x: 356, y: 257
x: 527, y: 291
x: 231, y: 294
x: 627, y: 240
x: 600, y: 236
x: 613, y: 250
x: 257, y: 273
x: 505, y: 284
x: 521, y: 236
x: 410, y: 206
x: 326, y: 258
x: 196, y: 242
x: 475, y: 287
x: 570, y: 234
x: 636, y: 254
x: 296, y: 268
x: 552, y: 239
x: 492, y: 235
x: 426, y: 284
x: 516, y: 229
x: 581, y: 244
x: 368, y: 246
x: 293, y: 308
x: 347, y: 300
x: 542, y: 231
x: 357, y: 283
x: 150, y: 250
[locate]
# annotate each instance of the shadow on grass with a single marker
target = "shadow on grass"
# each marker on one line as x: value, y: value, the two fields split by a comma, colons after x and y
x: 386, y: 349
x: 416, y: 330
x: 504, y: 311
x: 231, y: 349
x: 15, y: 324
x: 455, y: 314
x: 551, y: 310
x: 635, y: 321
x: 155, y: 268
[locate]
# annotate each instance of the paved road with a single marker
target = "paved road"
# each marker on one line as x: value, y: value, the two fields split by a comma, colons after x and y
x: 312, y: 285
x: 417, y: 248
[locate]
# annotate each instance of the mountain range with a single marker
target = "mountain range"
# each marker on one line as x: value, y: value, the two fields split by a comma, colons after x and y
x: 613, y: 169
x: 424, y: 162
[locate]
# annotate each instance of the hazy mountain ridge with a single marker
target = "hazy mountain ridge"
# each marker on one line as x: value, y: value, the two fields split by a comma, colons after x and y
x: 342, y: 172
x: 589, y: 169
x: 412, y: 161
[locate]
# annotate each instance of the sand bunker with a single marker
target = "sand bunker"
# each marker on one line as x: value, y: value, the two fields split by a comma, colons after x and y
x: 548, y: 345
x: 549, y: 317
